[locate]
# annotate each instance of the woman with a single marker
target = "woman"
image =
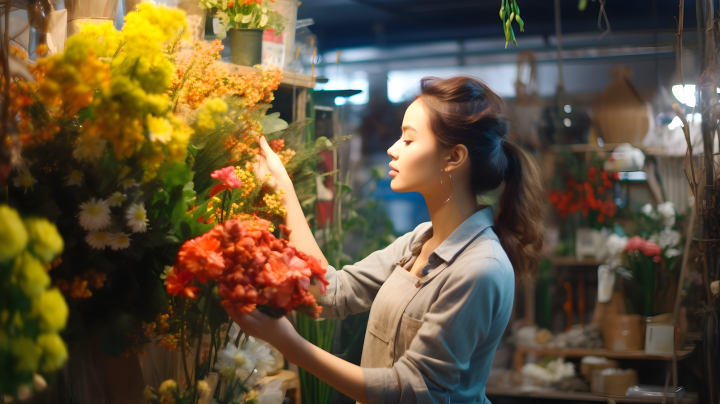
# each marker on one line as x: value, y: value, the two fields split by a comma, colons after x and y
x: 439, y: 297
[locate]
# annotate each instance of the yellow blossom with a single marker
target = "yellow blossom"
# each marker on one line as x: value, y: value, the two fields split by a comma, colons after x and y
x: 13, y: 235
x: 30, y: 275
x: 211, y: 113
x: 272, y: 201
x: 54, y: 352
x: 26, y: 352
x: 168, y: 387
x: 52, y: 309
x: 45, y: 241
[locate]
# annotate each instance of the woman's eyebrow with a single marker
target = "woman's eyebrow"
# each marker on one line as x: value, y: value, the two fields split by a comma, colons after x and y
x: 408, y: 127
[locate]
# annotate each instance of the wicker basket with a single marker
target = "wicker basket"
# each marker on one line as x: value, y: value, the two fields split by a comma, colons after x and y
x: 620, y: 112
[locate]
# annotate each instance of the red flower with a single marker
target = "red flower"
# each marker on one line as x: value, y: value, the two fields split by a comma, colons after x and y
x: 228, y: 178
x: 231, y: 4
x: 199, y: 256
x: 634, y: 244
x: 248, y: 2
x: 650, y: 249
x: 177, y: 284
x: 258, y: 1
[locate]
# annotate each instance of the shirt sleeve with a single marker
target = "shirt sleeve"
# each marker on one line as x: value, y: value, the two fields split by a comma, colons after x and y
x: 352, y: 290
x: 455, y: 325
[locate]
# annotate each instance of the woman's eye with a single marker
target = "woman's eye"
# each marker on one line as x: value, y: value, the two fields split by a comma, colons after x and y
x: 407, y: 142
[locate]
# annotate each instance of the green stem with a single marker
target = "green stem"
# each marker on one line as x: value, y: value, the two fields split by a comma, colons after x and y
x: 182, y: 343
x: 229, y: 209
x: 227, y: 334
x: 182, y: 83
x: 200, y: 337
x: 237, y: 340
x: 222, y: 207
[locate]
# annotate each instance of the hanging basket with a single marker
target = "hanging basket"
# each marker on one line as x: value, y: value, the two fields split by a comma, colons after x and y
x: 620, y: 112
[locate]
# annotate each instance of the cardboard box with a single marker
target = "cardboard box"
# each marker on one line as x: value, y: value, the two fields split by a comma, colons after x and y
x: 587, y: 368
x: 613, y: 382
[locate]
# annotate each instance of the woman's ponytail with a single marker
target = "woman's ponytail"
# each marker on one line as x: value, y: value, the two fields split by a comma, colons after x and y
x: 463, y: 110
x: 520, y: 220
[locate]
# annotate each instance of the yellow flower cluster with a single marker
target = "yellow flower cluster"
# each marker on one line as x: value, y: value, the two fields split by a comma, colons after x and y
x: 248, y: 180
x: 272, y: 201
x: 133, y: 111
x: 210, y: 114
x: 68, y: 80
x: 30, y: 321
x: 286, y: 155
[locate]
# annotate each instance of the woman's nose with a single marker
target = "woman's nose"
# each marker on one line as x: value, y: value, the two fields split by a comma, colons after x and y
x: 392, y: 151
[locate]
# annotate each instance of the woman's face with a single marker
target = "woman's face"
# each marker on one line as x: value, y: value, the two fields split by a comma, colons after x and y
x: 416, y: 164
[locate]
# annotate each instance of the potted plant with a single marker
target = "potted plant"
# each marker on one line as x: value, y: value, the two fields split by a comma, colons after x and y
x: 245, y: 21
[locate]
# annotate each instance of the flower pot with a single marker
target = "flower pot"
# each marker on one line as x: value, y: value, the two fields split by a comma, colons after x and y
x: 624, y: 332
x: 89, y: 11
x: 246, y: 46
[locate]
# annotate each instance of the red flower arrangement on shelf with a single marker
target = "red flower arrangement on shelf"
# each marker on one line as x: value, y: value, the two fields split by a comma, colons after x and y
x: 647, y: 248
x: 585, y: 196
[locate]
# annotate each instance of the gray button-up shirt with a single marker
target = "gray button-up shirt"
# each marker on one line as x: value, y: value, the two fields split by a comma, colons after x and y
x: 430, y: 339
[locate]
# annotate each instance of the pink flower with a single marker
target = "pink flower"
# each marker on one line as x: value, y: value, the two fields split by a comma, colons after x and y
x: 228, y: 178
x: 650, y: 249
x: 634, y: 244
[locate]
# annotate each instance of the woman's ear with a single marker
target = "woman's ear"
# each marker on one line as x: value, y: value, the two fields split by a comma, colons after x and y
x: 458, y: 156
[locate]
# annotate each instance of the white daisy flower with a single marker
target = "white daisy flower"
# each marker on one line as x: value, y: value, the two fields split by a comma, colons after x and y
x: 119, y: 241
x: 128, y: 183
x: 270, y: 393
x: 136, y: 216
x: 246, y: 19
x: 97, y: 239
x: 667, y: 210
x: 76, y: 177
x: 672, y: 252
x: 24, y: 179
x: 228, y: 360
x: 263, y: 20
x: 116, y: 199
x: 89, y: 149
x: 95, y: 214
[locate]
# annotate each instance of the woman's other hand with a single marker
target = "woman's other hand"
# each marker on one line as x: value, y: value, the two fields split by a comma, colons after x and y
x: 269, y: 162
x: 275, y: 331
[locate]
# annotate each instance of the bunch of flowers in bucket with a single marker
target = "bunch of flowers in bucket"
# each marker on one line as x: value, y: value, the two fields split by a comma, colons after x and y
x: 245, y: 14
x: 592, y: 197
x: 647, y: 261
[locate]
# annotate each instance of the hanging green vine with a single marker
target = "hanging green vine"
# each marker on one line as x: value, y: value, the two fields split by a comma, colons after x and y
x: 510, y: 11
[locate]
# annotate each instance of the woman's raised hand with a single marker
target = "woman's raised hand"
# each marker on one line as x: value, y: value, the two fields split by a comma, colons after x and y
x: 269, y: 162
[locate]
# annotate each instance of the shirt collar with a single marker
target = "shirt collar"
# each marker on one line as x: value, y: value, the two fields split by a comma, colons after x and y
x: 465, y: 234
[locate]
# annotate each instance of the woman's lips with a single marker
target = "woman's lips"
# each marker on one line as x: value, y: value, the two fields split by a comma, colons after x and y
x: 393, y: 173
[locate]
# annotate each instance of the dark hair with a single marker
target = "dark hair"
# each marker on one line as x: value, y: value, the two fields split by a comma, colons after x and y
x: 463, y: 110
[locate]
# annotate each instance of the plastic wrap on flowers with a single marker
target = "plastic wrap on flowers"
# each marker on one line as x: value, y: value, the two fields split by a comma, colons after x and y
x: 253, y: 268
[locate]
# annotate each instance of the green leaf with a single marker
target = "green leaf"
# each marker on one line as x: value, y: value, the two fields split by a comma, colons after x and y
x: 272, y: 123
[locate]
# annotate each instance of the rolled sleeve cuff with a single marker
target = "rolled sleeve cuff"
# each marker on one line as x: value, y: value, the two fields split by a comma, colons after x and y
x: 382, y: 385
x: 329, y: 300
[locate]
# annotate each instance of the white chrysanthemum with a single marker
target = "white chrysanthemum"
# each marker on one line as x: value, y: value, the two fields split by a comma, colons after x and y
x: 76, y: 177
x: 116, y: 199
x: 672, y: 252
x: 648, y: 210
x: 89, y: 149
x: 128, y: 183
x: 667, y: 210
x: 257, y: 355
x: 136, y: 216
x: 228, y: 360
x: 263, y: 20
x: 666, y: 238
x: 95, y: 214
x: 616, y: 244
x: 97, y: 239
x: 24, y: 179
x: 119, y: 241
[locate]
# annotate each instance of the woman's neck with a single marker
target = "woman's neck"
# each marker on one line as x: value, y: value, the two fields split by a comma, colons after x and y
x: 447, y: 216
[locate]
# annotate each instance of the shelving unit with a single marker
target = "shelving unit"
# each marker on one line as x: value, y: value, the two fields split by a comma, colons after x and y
x: 520, y: 352
x: 690, y: 398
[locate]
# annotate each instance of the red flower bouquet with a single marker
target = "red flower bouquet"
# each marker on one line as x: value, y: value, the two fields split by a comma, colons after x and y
x: 253, y: 268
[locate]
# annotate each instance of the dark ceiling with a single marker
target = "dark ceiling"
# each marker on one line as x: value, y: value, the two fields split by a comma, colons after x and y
x: 355, y: 23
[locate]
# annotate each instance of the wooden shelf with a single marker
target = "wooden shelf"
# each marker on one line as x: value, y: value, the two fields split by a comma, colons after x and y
x: 289, y: 78
x: 572, y: 261
x: 519, y: 356
x: 609, y: 147
x: 552, y: 394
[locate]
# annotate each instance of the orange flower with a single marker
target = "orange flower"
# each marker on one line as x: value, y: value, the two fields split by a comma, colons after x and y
x: 79, y: 289
x: 178, y: 284
x: 199, y: 256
